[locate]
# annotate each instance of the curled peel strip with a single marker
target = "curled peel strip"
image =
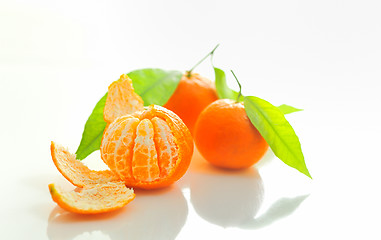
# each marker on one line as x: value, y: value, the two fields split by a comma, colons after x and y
x: 97, y: 192
x: 92, y: 199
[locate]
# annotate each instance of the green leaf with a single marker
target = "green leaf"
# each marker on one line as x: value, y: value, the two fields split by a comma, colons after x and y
x: 93, y: 132
x: 286, y: 109
x: 277, y: 132
x: 155, y: 85
x: 223, y: 91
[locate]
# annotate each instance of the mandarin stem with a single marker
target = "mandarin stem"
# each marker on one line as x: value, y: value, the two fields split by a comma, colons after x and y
x: 199, y: 62
x: 240, y: 88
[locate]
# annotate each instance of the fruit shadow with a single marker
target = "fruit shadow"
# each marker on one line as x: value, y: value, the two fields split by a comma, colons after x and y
x: 278, y: 210
x: 233, y: 198
x: 157, y: 214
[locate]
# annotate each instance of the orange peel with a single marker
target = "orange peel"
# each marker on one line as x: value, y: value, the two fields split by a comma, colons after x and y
x: 121, y: 99
x: 92, y: 199
x: 97, y: 192
x: 75, y: 171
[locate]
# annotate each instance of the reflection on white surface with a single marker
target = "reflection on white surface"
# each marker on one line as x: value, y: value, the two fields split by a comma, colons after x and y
x: 93, y: 235
x: 158, y: 214
x: 280, y: 209
x: 233, y: 198
x: 225, y: 198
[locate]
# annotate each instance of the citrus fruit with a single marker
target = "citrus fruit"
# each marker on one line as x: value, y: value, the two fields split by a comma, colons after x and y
x: 97, y: 192
x: 92, y: 199
x: 226, y: 138
x: 148, y: 149
x: 191, y: 96
x: 144, y: 147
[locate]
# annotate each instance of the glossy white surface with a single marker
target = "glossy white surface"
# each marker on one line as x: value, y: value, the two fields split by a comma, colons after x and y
x: 58, y: 57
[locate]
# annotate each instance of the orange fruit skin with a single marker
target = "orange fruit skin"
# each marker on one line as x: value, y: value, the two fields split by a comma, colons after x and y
x: 182, y: 138
x: 117, y: 193
x: 226, y: 138
x: 191, y: 96
x: 75, y: 171
x: 121, y: 99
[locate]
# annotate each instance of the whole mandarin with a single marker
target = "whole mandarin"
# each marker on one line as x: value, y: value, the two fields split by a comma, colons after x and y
x: 191, y: 96
x: 225, y: 136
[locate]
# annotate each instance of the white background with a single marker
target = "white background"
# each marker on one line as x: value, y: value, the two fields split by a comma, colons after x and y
x: 58, y: 57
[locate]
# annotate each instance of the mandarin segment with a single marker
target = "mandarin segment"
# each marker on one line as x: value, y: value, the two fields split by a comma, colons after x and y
x: 119, y: 142
x: 92, y: 199
x: 144, y: 162
x: 166, y: 147
x: 121, y: 99
x: 183, y: 140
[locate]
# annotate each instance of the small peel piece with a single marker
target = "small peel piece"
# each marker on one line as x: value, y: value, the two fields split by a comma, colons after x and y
x: 121, y: 99
x: 93, y: 199
x: 75, y: 171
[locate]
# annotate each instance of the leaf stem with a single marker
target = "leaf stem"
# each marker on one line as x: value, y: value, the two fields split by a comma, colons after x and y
x: 189, y: 72
x: 240, y: 88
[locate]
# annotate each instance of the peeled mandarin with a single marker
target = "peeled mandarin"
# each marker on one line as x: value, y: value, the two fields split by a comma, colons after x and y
x: 148, y: 149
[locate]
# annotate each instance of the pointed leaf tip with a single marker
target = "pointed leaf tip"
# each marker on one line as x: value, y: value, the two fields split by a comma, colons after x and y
x: 277, y: 131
